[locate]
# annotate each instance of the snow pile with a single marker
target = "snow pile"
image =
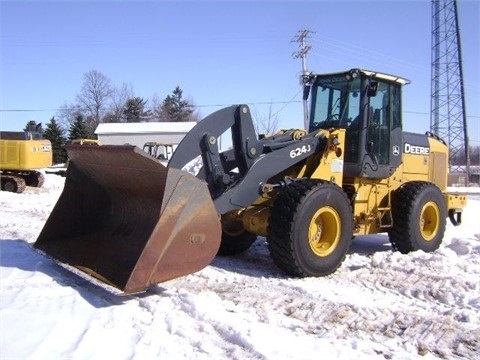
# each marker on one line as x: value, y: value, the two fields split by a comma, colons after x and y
x: 378, y: 305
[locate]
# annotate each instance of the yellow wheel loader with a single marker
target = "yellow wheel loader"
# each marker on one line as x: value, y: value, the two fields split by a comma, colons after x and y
x: 131, y: 222
x: 21, y: 155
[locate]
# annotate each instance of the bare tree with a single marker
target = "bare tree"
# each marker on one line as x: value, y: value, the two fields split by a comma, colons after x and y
x: 267, y: 124
x: 475, y: 155
x: 118, y: 99
x: 196, y: 115
x: 94, y: 97
x: 158, y: 112
x: 67, y: 114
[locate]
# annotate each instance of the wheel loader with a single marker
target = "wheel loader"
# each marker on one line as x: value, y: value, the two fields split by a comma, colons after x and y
x: 130, y: 222
x: 21, y: 155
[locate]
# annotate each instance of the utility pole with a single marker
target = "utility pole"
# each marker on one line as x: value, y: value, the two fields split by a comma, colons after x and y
x: 301, y: 38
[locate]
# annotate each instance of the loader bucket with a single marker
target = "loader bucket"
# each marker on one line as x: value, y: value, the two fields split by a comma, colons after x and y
x: 128, y: 221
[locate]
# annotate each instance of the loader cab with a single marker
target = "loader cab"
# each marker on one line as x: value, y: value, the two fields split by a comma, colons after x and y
x: 368, y: 105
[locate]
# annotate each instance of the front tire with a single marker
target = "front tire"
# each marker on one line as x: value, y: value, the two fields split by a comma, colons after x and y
x: 235, y: 239
x: 310, y: 228
x: 419, y: 217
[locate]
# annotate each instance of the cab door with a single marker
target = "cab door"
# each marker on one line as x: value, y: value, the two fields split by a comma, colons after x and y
x: 383, y: 131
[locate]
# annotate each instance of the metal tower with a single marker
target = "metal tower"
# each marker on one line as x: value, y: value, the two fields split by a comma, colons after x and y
x: 448, y: 115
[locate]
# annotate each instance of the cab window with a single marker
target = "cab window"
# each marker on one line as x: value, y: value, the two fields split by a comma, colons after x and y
x: 384, y: 115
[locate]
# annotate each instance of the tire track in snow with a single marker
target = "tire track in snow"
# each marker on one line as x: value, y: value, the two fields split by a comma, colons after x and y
x: 326, y: 308
x: 423, y: 304
x: 189, y: 317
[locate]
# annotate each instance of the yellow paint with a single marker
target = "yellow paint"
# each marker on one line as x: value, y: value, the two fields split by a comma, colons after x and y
x: 25, y: 154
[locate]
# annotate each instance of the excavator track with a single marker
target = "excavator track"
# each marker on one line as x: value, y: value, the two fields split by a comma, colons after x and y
x: 17, y: 181
x: 12, y: 183
x: 34, y: 178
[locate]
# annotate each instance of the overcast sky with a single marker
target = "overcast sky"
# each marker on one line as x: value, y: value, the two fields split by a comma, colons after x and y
x: 220, y: 52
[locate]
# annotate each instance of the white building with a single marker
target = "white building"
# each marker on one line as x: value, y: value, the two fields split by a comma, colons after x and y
x: 140, y: 133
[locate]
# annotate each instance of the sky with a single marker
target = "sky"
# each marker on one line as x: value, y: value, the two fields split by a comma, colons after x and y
x: 220, y: 52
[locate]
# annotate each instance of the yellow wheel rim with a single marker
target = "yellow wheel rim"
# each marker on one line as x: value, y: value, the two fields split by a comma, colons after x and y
x: 324, y: 231
x: 429, y: 220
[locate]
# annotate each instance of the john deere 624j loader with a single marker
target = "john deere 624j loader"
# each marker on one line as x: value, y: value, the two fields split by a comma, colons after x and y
x: 131, y: 222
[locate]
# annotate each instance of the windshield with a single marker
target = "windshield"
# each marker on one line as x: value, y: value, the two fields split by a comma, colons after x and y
x: 335, y: 102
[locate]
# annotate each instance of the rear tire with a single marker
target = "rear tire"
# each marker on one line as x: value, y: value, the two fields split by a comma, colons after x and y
x: 419, y: 217
x: 310, y: 228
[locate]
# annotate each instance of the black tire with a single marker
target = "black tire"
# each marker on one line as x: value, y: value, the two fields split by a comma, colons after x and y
x: 233, y: 245
x: 419, y: 217
x: 235, y: 239
x: 297, y: 244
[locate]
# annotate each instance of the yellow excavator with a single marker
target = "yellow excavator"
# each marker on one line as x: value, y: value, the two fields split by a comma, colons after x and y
x: 131, y: 222
x: 22, y: 154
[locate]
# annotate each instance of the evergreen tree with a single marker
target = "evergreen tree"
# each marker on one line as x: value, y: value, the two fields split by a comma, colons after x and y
x: 32, y: 126
x: 175, y: 108
x: 134, y: 110
x: 54, y: 133
x: 79, y: 130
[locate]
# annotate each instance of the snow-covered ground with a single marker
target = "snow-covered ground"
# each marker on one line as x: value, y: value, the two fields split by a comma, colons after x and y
x: 378, y: 305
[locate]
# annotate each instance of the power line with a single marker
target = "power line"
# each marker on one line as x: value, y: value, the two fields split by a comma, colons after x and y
x: 286, y: 102
x: 331, y: 47
x: 357, y: 50
x: 151, y: 108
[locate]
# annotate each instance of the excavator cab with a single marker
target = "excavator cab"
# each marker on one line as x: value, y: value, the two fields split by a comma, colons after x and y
x: 368, y: 106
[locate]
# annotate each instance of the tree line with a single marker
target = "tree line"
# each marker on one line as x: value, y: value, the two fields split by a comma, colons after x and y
x: 55, y: 133
x: 98, y: 101
x: 459, y: 158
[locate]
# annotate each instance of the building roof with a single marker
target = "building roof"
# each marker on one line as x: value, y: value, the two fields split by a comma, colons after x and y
x: 144, y: 128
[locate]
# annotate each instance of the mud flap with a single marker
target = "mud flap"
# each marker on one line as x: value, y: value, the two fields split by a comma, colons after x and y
x: 128, y: 221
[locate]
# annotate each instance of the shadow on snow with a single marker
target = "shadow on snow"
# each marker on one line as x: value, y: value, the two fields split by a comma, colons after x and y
x: 255, y: 262
x: 19, y: 254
